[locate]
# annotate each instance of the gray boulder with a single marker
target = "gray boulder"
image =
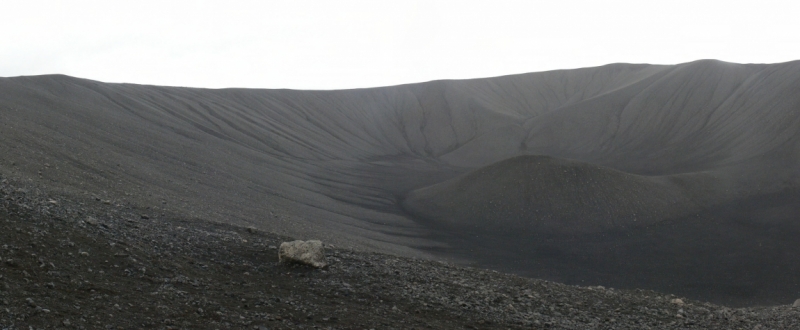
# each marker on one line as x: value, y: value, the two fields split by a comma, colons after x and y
x: 309, y: 253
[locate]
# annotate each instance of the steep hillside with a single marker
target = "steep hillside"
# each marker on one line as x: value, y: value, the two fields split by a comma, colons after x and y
x: 660, y: 142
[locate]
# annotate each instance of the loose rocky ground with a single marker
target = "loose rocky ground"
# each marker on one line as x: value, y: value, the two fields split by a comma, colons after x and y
x: 71, y: 262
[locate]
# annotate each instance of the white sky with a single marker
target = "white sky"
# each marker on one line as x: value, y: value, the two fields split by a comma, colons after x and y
x: 333, y: 44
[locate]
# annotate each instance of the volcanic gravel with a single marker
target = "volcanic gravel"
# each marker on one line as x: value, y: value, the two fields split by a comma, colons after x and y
x: 73, y: 261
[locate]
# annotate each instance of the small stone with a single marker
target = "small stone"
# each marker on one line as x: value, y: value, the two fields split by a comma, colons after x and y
x: 66, y: 323
x: 796, y: 303
x: 84, y: 254
x: 145, y: 217
x: 92, y: 221
x: 252, y: 230
x: 677, y: 301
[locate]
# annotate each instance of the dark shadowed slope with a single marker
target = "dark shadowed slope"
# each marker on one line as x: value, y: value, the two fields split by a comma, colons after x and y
x: 540, y: 194
x: 585, y: 224
x: 335, y: 165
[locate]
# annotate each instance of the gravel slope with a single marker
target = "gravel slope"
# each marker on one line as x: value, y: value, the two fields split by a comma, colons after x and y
x: 79, y: 262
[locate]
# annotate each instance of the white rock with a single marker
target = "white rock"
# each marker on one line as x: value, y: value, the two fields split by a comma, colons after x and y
x: 303, y: 252
x: 796, y: 303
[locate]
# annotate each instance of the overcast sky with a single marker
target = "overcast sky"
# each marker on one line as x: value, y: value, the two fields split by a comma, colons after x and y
x: 335, y: 44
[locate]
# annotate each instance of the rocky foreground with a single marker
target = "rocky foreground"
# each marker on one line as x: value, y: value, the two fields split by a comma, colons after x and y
x: 72, y: 261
